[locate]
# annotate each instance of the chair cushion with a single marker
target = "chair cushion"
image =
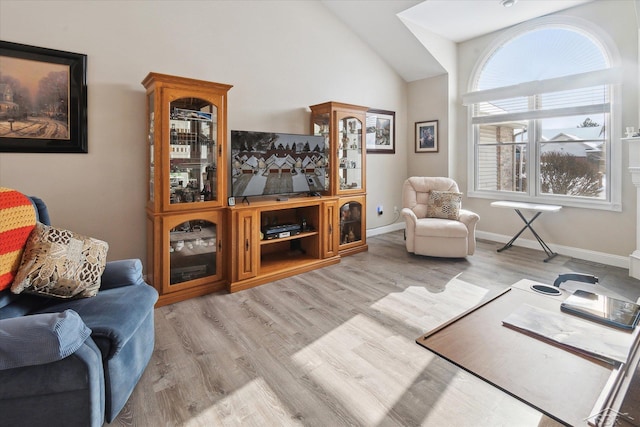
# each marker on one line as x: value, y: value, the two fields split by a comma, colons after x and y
x: 60, y: 263
x: 439, y: 227
x: 444, y: 204
x: 17, y: 219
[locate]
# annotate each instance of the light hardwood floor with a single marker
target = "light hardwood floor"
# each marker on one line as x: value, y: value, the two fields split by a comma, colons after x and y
x: 336, y: 346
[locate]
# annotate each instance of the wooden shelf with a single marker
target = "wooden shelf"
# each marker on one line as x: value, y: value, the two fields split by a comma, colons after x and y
x: 282, y: 261
x: 256, y: 261
x: 284, y: 239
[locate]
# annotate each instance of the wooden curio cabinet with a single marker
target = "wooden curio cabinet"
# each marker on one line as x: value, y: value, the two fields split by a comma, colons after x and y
x: 186, y: 186
x: 344, y: 129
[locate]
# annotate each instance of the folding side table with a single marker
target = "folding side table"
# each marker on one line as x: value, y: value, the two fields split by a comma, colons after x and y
x: 539, y: 209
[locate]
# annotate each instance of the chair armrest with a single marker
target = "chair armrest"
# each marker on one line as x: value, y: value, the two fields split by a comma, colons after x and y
x: 409, y: 214
x: 469, y: 218
x: 40, y: 338
x: 120, y: 273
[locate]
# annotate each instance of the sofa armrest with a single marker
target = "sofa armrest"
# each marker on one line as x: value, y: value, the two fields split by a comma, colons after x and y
x: 120, y: 273
x: 68, y: 392
x: 114, y: 315
x: 40, y: 338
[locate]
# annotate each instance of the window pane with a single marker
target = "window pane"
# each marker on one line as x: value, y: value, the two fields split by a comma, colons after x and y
x: 573, y: 156
x: 502, y: 167
x: 541, y: 54
x: 575, y: 128
x: 564, y: 173
x: 497, y: 133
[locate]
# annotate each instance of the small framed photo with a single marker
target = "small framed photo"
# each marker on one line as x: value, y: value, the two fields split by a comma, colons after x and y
x: 381, y: 131
x: 43, y: 100
x: 427, y: 137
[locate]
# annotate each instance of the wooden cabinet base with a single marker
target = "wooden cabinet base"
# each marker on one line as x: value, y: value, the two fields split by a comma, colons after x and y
x: 297, y: 268
x: 197, y: 291
x: 353, y: 250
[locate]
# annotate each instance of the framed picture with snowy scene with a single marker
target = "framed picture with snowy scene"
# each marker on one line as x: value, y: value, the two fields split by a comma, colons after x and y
x: 43, y: 100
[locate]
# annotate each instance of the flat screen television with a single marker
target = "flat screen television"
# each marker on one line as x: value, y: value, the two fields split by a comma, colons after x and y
x: 269, y: 163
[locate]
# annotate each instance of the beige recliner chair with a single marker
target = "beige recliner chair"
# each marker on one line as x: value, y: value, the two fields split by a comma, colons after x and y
x: 436, y: 223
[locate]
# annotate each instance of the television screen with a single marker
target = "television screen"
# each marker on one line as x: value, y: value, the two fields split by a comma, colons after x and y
x: 266, y: 163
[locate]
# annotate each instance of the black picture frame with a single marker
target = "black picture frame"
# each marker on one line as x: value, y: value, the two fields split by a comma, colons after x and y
x: 427, y: 137
x: 381, y: 131
x: 48, y: 112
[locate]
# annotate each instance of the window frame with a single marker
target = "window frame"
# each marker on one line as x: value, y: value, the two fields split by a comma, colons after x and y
x: 613, y: 202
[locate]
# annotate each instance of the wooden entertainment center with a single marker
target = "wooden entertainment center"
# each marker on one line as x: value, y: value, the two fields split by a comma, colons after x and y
x: 258, y: 258
x: 201, y: 241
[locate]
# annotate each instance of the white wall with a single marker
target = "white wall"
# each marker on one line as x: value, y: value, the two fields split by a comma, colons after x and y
x: 281, y: 56
x: 588, y: 230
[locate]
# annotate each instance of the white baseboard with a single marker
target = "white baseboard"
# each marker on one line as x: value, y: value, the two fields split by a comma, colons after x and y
x: 385, y: 229
x: 584, y: 254
x: 587, y: 255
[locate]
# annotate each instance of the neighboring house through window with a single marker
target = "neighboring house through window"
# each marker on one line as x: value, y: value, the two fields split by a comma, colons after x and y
x: 541, y: 106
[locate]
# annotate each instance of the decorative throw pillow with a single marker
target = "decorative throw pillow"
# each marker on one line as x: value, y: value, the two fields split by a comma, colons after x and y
x: 61, y: 263
x: 17, y: 219
x: 444, y: 204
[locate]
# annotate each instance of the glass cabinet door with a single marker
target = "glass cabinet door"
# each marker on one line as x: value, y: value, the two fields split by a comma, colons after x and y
x: 193, y: 129
x: 193, y: 244
x: 320, y: 123
x: 349, y: 149
x: 351, y: 221
x: 151, y: 145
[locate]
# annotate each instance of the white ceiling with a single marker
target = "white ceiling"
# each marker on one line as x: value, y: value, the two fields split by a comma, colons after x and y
x: 378, y: 23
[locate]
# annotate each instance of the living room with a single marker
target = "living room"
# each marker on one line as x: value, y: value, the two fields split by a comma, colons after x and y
x: 272, y: 93
x: 281, y: 57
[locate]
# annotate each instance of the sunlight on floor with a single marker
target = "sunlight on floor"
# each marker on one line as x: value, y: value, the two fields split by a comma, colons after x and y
x: 241, y: 408
x: 486, y: 405
x: 342, y: 361
x: 424, y: 310
x: 372, y: 369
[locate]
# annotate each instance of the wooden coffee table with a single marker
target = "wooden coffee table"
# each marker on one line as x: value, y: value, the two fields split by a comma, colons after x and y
x: 568, y: 386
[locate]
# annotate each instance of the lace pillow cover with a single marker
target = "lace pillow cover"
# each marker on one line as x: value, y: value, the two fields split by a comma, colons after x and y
x: 60, y: 263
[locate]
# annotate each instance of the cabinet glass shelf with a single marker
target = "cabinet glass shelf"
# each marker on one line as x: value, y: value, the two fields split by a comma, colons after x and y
x: 192, y: 151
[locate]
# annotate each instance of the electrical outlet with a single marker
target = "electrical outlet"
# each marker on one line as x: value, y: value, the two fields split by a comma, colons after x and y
x: 395, y: 209
x: 380, y: 210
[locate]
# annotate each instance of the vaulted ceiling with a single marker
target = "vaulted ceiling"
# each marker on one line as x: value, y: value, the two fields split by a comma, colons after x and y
x: 385, y: 25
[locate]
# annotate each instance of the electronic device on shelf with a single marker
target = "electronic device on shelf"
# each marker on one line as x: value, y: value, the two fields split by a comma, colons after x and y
x: 271, y: 163
x: 280, y: 231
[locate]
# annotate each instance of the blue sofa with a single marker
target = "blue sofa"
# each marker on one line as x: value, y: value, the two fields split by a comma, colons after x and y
x: 75, y: 362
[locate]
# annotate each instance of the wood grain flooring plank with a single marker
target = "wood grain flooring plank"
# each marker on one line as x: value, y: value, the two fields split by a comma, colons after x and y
x: 335, y: 346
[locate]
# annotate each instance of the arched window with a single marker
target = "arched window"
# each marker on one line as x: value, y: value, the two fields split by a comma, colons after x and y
x: 540, y: 115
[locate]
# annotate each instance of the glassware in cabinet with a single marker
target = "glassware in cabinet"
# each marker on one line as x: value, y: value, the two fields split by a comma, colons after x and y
x: 343, y: 126
x: 193, y: 250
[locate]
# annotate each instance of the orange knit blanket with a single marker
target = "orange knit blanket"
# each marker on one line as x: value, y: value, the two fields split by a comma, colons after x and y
x: 17, y: 219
